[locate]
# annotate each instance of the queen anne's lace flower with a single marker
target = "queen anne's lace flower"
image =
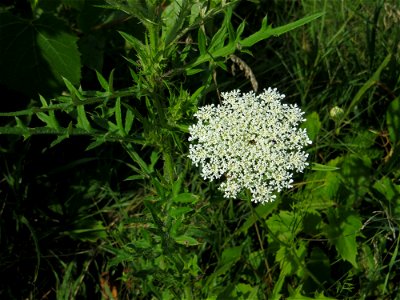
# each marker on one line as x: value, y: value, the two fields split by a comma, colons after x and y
x: 253, y: 141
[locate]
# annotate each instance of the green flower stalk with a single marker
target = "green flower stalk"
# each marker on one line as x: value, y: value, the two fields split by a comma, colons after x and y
x: 253, y: 141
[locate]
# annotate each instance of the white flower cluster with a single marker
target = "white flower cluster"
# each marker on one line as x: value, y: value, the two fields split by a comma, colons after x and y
x: 253, y: 141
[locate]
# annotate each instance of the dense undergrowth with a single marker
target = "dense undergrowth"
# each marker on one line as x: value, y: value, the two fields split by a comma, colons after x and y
x: 98, y: 197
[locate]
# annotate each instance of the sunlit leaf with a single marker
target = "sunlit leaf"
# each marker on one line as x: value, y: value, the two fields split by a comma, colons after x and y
x: 186, y: 240
x: 313, y: 125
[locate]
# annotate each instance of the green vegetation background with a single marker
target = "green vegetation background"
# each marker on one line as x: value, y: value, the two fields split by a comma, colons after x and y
x: 98, y: 199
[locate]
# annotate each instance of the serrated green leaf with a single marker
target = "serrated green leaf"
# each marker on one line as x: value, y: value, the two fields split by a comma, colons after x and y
x: 219, y: 37
x: 103, y: 82
x: 267, y: 31
x: 35, y: 54
x: 50, y: 118
x: 58, y: 140
x: 24, y: 128
x: 72, y: 90
x: 82, y: 121
x: 174, y: 17
x: 342, y: 231
x: 96, y: 143
x: 134, y: 42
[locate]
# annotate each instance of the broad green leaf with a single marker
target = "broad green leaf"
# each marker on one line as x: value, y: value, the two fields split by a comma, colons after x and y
x: 322, y: 187
x: 230, y: 255
x: 284, y: 227
x: 355, y: 173
x: 362, y: 143
x: 290, y: 259
x: 186, y: 198
x: 195, y: 10
x: 174, y: 17
x: 186, y: 240
x: 245, y: 291
x: 178, y: 212
x: 342, y: 230
x: 391, y: 192
x: 393, y: 120
x: 313, y: 125
x: 387, y: 188
x: 35, y: 55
